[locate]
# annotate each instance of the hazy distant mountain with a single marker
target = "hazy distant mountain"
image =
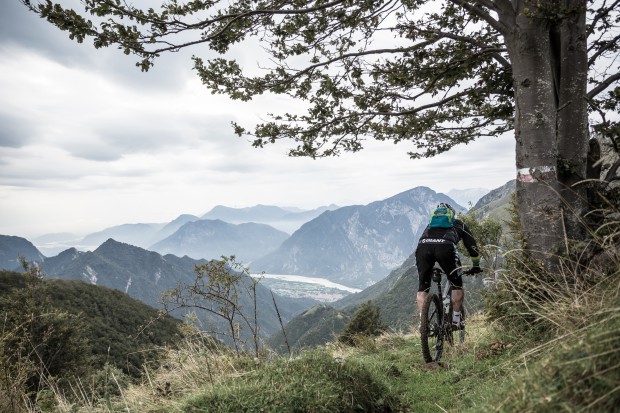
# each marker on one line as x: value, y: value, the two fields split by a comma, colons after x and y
x: 12, y: 247
x: 134, y: 234
x: 145, y: 235
x: 171, y: 227
x: 144, y: 275
x: 284, y: 219
x: 356, y: 245
x: 214, y: 238
x: 139, y: 235
x: 53, y: 244
x: 258, y: 213
x: 466, y: 196
x: 56, y: 237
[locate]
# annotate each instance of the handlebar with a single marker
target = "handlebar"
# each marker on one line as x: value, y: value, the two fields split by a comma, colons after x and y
x: 438, y: 272
x: 470, y: 271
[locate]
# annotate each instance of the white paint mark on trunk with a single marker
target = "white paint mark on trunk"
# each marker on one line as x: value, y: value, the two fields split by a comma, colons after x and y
x: 532, y: 174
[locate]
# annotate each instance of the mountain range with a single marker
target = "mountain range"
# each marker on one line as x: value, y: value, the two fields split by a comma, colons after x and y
x: 155, y: 235
x: 287, y: 219
x: 207, y: 238
x: 146, y: 275
x: 12, y: 247
x: 365, y: 246
x: 356, y: 245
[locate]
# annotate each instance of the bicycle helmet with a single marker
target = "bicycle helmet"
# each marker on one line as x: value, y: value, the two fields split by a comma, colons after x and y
x: 446, y: 205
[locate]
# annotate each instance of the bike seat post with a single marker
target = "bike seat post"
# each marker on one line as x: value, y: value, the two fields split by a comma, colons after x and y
x: 437, y: 273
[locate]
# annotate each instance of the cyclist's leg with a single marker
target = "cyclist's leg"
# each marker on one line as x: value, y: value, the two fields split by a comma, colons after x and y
x: 448, y: 259
x: 425, y: 261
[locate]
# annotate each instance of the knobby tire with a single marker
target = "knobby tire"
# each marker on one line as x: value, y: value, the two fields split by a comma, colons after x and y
x: 430, y: 329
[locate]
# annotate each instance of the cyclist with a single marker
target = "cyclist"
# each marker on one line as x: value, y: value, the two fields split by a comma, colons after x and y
x: 438, y: 245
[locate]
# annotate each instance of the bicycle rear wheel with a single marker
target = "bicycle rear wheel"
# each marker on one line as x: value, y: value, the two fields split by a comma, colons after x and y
x: 430, y: 328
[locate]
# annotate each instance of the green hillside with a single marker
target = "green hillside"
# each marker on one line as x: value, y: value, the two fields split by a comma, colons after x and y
x: 110, y: 321
x: 314, y: 327
x: 496, y: 204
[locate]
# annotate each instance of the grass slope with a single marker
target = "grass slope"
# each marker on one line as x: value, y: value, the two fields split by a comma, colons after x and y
x: 387, y: 374
x: 572, y: 365
x: 112, y: 320
x: 493, y: 371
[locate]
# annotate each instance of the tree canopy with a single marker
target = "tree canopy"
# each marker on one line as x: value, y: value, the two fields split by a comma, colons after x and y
x: 435, y: 73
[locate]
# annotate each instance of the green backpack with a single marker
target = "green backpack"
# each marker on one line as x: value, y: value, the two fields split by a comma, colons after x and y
x: 442, y: 217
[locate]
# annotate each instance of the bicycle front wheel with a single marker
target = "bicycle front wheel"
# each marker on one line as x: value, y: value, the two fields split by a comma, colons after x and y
x: 431, y: 336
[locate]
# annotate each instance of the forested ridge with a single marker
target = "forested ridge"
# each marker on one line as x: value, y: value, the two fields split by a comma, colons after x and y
x: 105, y: 325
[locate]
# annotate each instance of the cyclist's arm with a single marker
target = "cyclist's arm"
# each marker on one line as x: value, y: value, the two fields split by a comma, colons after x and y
x: 470, y: 244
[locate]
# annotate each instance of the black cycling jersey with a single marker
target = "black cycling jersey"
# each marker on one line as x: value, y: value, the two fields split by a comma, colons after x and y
x: 438, y: 245
x: 458, y: 232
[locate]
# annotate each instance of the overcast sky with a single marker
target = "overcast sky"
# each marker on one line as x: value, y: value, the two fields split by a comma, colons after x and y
x: 87, y: 141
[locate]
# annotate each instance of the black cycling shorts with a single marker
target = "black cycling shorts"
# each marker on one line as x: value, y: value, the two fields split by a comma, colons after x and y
x: 445, y: 254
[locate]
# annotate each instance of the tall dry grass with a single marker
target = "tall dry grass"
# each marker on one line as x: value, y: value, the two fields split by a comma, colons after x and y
x: 195, y: 363
x: 568, y: 316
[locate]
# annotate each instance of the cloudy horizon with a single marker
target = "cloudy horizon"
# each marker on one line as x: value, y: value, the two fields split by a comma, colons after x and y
x: 88, y: 141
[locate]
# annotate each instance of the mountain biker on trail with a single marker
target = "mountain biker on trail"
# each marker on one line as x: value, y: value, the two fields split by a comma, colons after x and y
x: 438, y: 244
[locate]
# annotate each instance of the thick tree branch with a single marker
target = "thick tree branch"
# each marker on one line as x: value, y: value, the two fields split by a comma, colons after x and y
x: 603, y: 12
x: 494, y: 51
x: 602, y: 48
x: 423, y: 107
x: 478, y: 11
x: 130, y: 11
x: 603, y: 85
x: 328, y: 62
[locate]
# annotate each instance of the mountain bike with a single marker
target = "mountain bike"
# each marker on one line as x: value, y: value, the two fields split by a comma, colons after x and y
x: 436, y: 319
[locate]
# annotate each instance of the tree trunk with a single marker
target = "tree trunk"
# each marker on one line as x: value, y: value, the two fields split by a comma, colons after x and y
x: 549, y: 62
x: 572, y: 115
x: 538, y: 202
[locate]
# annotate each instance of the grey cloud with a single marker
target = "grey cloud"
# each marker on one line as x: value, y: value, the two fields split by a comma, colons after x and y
x: 24, y: 29
x: 36, y: 175
x: 143, y: 136
x: 14, y: 132
x: 99, y: 153
x: 109, y: 147
x: 219, y: 132
x: 169, y: 72
x: 111, y: 141
x: 21, y: 27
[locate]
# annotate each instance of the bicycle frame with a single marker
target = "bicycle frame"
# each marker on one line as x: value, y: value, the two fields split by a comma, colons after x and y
x: 441, y: 328
x: 446, y: 297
